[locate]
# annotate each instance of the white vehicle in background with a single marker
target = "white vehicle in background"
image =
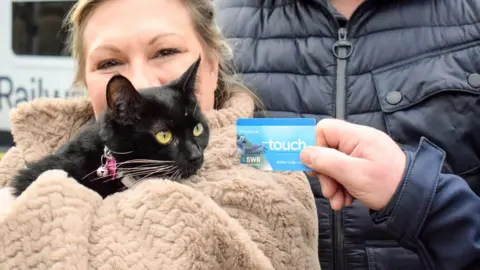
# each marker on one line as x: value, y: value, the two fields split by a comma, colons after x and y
x: 34, y: 61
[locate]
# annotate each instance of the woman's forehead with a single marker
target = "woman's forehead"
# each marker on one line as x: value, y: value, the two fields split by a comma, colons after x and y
x: 117, y: 21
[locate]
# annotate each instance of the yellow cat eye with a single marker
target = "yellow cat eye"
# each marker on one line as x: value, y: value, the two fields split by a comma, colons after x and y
x: 198, y: 130
x: 164, y: 137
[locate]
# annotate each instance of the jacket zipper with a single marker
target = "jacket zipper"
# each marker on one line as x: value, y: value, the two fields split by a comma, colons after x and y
x: 342, y: 49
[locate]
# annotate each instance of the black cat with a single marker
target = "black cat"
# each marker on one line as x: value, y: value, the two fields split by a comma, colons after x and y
x: 159, y: 131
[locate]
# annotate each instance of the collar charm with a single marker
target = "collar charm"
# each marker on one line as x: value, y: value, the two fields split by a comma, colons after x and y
x: 102, y: 171
x: 109, y: 165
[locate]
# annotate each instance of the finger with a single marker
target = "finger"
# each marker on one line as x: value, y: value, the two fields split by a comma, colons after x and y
x: 329, y: 186
x: 324, y: 135
x: 339, y: 134
x: 335, y: 164
x: 336, y: 202
x: 330, y: 131
x: 348, y: 199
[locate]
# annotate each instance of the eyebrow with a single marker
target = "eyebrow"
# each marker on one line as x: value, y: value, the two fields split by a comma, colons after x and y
x: 159, y: 36
x: 152, y: 40
x: 108, y: 48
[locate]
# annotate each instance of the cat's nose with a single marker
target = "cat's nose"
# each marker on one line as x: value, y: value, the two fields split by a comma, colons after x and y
x: 195, y: 157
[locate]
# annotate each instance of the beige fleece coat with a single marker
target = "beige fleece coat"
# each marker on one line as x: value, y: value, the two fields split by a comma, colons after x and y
x: 228, y: 216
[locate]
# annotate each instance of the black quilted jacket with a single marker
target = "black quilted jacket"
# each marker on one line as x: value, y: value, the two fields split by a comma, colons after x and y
x: 407, y: 67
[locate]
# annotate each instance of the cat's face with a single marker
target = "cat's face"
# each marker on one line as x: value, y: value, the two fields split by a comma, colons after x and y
x: 161, y: 123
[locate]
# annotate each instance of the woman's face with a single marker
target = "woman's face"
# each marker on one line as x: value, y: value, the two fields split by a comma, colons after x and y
x: 151, y: 42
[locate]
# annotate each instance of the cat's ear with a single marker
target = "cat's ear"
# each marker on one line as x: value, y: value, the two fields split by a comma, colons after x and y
x: 122, y: 99
x: 186, y: 82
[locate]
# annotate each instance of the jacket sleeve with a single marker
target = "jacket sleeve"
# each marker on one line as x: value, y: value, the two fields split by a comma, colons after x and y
x: 436, y: 215
x: 10, y: 164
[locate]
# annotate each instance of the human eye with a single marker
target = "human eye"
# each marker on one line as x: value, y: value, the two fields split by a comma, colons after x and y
x: 107, y: 64
x: 166, y: 52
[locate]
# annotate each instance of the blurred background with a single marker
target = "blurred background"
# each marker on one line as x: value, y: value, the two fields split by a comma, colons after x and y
x: 34, y: 60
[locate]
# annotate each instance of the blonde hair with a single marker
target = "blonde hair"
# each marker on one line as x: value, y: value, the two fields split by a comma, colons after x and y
x: 203, y: 16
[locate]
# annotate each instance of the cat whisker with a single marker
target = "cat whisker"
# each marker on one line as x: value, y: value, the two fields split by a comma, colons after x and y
x: 172, y: 177
x: 137, y: 182
x: 120, y: 153
x: 151, y: 171
x: 150, y: 160
x: 162, y: 170
x: 158, y: 171
x: 172, y: 169
x: 144, y: 168
x: 89, y: 174
x: 108, y: 180
x: 146, y: 176
x: 147, y: 164
x: 99, y: 178
x: 140, y: 173
x: 144, y: 161
x: 176, y: 175
x: 130, y: 170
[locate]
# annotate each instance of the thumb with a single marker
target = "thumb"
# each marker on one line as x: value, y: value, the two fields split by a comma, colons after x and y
x: 331, y: 162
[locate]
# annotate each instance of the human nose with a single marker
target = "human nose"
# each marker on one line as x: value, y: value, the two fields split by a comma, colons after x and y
x: 143, y: 76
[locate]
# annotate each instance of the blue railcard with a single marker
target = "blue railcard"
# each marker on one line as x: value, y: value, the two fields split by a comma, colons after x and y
x: 274, y: 144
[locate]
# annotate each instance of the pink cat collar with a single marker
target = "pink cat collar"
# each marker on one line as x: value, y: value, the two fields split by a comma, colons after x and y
x: 109, y: 168
x: 111, y: 165
x: 108, y: 165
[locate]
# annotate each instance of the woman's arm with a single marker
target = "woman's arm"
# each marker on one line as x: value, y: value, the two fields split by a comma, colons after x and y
x: 10, y: 164
x: 435, y: 214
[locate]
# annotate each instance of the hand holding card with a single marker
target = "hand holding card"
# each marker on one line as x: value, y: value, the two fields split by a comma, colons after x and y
x: 357, y: 160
